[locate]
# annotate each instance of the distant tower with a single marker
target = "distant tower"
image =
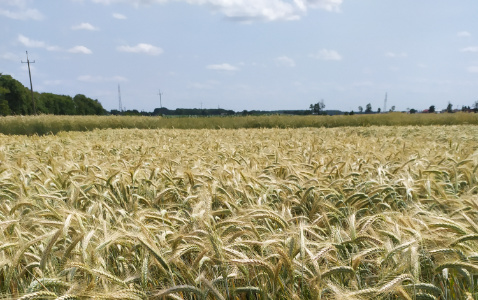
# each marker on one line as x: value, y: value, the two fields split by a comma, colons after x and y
x: 385, y: 103
x: 160, y: 102
x: 120, y: 105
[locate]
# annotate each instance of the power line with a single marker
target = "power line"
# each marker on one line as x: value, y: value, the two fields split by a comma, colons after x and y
x: 31, y: 85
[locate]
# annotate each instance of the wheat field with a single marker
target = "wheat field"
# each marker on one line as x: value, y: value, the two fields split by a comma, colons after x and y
x: 311, y: 213
x: 52, y: 124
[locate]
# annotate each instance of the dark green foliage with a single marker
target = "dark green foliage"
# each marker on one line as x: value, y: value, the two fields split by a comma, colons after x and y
x: 368, y: 108
x: 449, y: 108
x: 17, y: 96
x: 317, y: 108
x: 4, y: 108
x: 15, y: 100
x: 55, y: 104
x: 87, y: 106
x: 193, y: 112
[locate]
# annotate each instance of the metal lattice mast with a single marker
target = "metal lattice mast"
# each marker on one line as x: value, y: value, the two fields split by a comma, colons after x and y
x: 385, y: 103
x: 160, y: 102
x: 120, y: 105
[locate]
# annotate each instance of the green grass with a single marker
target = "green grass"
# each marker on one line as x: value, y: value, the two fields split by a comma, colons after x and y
x: 49, y: 124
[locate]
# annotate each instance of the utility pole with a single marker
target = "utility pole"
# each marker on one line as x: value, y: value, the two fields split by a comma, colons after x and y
x: 160, y: 104
x: 31, y: 85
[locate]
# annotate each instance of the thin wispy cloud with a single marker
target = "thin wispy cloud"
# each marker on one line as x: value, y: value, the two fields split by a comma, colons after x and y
x: 36, y: 44
x: 84, y: 26
x: 326, y: 54
x: 463, y: 34
x: 119, y: 16
x: 285, y: 61
x: 203, y: 85
x: 470, y: 49
x: 18, y: 10
x: 141, y: 48
x: 53, y: 82
x: 329, y: 5
x: 80, y: 49
x: 472, y: 69
x: 99, y: 79
x: 10, y: 56
x: 222, y: 67
x: 252, y: 10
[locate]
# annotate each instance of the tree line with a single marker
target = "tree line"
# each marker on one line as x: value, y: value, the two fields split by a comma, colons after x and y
x: 15, y: 99
x: 318, y: 109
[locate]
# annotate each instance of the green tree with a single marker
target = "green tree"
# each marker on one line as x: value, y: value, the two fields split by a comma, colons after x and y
x: 49, y: 103
x: 431, y: 109
x: 87, y: 106
x: 317, y: 108
x: 18, y: 98
x: 360, y: 108
x: 413, y: 111
x: 368, y: 108
x: 4, y: 108
x: 449, y: 108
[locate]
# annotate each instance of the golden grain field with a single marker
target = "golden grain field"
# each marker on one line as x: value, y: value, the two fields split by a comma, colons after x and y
x: 339, y: 213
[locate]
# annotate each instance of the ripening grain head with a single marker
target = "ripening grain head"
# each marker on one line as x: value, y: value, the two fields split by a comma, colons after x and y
x: 303, y: 213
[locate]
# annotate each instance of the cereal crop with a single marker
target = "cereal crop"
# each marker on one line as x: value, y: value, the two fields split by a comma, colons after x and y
x: 311, y: 213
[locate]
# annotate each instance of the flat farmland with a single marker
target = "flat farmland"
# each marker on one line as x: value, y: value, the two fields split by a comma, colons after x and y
x: 309, y: 213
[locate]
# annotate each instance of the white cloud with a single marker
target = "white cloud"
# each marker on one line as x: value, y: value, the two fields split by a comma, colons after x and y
x: 396, y: 55
x: 470, y: 49
x: 20, y: 11
x: 85, y: 26
x: 36, y: 44
x: 119, y: 16
x: 80, y: 49
x: 251, y: 10
x: 222, y: 67
x: 463, y: 34
x: 285, y: 61
x: 10, y: 56
x: 472, y: 69
x: 30, y: 43
x: 53, y: 82
x: 329, y: 5
x: 141, y: 48
x: 326, y: 54
x: 97, y: 79
x: 203, y: 86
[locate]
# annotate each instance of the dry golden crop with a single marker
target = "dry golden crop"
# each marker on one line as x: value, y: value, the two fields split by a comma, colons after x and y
x: 342, y: 213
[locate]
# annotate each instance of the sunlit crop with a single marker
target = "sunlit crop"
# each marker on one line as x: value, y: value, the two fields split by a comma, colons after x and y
x: 340, y: 213
x: 50, y: 124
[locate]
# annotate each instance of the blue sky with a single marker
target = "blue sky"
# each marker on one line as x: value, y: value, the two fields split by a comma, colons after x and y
x: 246, y: 54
